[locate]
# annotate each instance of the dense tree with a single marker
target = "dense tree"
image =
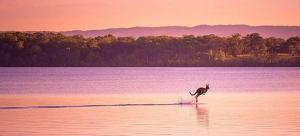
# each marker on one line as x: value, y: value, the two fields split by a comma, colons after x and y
x: 255, y: 44
x: 293, y: 45
x: 234, y: 45
x: 55, y: 49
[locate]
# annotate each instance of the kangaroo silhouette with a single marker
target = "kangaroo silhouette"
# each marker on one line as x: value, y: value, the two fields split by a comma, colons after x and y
x: 200, y: 91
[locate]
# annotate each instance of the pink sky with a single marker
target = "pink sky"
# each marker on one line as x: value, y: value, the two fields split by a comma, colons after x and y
x: 59, y: 15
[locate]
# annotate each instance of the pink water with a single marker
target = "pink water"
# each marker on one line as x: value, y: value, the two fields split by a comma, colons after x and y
x: 242, y: 101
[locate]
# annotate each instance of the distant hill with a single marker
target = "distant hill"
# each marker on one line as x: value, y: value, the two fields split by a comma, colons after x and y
x: 220, y: 30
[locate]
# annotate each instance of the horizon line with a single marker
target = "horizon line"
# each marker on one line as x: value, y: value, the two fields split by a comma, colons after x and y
x: 137, y: 26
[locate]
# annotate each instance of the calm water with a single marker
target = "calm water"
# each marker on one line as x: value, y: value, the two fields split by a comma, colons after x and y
x: 145, y: 80
x: 146, y: 101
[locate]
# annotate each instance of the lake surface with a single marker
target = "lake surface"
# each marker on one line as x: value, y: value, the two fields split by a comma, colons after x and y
x: 145, y: 80
x: 149, y: 101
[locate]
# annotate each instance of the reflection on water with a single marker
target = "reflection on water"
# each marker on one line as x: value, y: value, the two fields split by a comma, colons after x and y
x: 202, y: 115
x: 241, y: 114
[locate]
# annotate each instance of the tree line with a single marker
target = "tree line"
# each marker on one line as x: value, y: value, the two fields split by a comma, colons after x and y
x: 49, y: 49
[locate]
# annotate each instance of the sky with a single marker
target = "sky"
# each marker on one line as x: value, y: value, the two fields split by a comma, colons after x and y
x: 63, y: 15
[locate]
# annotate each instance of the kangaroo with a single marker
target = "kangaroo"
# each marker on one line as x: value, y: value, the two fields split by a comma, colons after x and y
x: 200, y: 91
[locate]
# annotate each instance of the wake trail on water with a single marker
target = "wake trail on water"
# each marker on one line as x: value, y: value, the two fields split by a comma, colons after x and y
x: 96, y: 105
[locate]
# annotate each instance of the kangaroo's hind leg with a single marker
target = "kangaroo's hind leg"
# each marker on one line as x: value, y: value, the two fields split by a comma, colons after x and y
x: 197, y: 97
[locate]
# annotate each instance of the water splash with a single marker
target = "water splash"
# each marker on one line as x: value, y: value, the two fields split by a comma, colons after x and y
x: 182, y: 101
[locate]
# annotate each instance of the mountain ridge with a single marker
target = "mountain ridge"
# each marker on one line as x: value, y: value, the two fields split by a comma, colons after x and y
x: 219, y: 30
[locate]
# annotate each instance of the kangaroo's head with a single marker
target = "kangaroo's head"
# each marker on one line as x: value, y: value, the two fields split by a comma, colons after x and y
x: 207, y: 86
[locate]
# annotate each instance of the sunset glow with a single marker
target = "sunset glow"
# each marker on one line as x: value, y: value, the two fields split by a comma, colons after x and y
x: 149, y: 67
x: 60, y: 15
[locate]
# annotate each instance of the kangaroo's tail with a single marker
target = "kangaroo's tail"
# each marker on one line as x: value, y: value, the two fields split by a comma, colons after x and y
x: 192, y: 94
